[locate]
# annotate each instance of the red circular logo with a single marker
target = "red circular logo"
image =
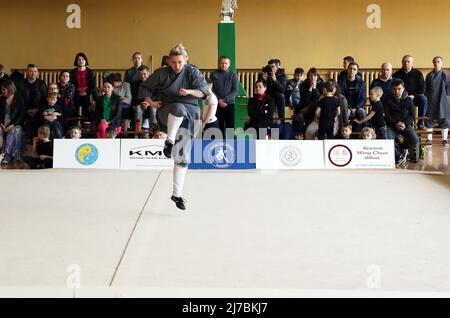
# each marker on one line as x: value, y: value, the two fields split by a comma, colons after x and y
x: 340, y: 156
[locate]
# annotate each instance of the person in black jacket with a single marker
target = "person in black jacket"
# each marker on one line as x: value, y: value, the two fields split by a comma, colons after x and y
x: 225, y: 87
x: 310, y: 92
x: 11, y: 121
x: 354, y: 89
x: 84, y: 80
x: 399, y: 115
x: 34, y: 94
x: 108, y: 112
x: 276, y: 86
x: 261, y: 108
x: 414, y: 85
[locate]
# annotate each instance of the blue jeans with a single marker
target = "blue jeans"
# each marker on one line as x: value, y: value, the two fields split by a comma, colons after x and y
x: 381, y: 132
x: 421, y: 101
x: 13, y: 148
x: 280, y: 102
x: 410, y: 136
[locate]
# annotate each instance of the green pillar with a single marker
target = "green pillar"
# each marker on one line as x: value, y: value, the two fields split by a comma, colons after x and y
x: 227, y: 47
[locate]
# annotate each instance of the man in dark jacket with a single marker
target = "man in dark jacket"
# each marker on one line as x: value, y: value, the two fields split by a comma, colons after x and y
x: 276, y: 86
x: 399, y: 115
x: 34, y: 95
x: 414, y: 85
x: 225, y: 87
x: 354, y: 90
x: 384, y: 81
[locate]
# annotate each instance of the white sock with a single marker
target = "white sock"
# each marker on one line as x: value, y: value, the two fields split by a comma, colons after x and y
x: 173, y: 123
x: 444, y: 133
x: 179, y: 174
x: 430, y: 134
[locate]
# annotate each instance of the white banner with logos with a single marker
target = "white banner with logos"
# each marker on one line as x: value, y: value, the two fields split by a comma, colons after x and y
x: 359, y: 154
x: 289, y: 154
x: 86, y: 154
x: 142, y: 154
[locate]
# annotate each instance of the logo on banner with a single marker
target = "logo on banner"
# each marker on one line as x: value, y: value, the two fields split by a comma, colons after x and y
x: 86, y: 154
x: 340, y: 156
x: 154, y: 152
x: 220, y: 155
x: 291, y: 156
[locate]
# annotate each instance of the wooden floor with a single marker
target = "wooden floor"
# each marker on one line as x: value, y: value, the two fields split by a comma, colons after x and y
x: 281, y: 234
x: 436, y: 160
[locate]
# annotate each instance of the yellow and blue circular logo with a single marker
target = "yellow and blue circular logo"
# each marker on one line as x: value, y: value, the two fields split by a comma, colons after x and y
x: 86, y: 154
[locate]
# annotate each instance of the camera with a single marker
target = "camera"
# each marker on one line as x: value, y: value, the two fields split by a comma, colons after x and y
x: 267, y: 69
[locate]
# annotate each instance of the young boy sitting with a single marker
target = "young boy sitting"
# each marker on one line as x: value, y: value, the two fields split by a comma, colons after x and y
x: 346, y: 132
x: 111, y: 133
x: 52, y: 112
x: 376, y: 114
x: 75, y: 132
x: 42, y: 150
x: 368, y: 133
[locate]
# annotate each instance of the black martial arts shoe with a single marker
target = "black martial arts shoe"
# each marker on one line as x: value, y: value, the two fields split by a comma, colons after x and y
x: 168, y: 149
x: 180, y: 202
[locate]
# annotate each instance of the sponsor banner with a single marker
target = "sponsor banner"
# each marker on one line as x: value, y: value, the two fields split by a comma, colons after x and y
x: 223, y: 154
x: 86, y: 154
x: 289, y: 154
x: 137, y: 154
x: 359, y: 154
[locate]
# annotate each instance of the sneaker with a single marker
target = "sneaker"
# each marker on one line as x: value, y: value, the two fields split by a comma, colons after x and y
x: 402, y: 158
x: 429, y: 142
x: 168, y: 149
x: 180, y: 202
x: 445, y: 143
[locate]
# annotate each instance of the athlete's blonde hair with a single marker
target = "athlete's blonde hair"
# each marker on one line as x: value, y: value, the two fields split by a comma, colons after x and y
x: 178, y: 50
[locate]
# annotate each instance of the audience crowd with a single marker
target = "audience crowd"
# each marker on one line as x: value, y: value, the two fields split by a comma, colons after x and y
x: 32, y: 113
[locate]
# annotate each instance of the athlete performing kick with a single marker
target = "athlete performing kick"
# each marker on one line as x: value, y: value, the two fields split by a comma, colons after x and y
x: 175, y: 93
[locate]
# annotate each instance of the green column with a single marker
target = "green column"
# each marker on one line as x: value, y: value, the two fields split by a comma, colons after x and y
x: 227, y: 47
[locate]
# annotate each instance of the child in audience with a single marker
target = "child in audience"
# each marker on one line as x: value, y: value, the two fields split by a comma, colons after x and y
x: 327, y: 110
x: 346, y: 132
x: 157, y: 133
x: 75, y: 132
x: 42, y: 150
x: 111, y: 133
x: 52, y: 112
x: 376, y: 115
x: 53, y: 89
x: 368, y: 133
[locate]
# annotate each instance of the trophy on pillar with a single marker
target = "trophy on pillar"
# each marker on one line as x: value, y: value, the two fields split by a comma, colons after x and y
x: 227, y: 12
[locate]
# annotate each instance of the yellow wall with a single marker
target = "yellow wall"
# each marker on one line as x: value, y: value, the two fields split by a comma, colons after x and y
x: 300, y: 32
